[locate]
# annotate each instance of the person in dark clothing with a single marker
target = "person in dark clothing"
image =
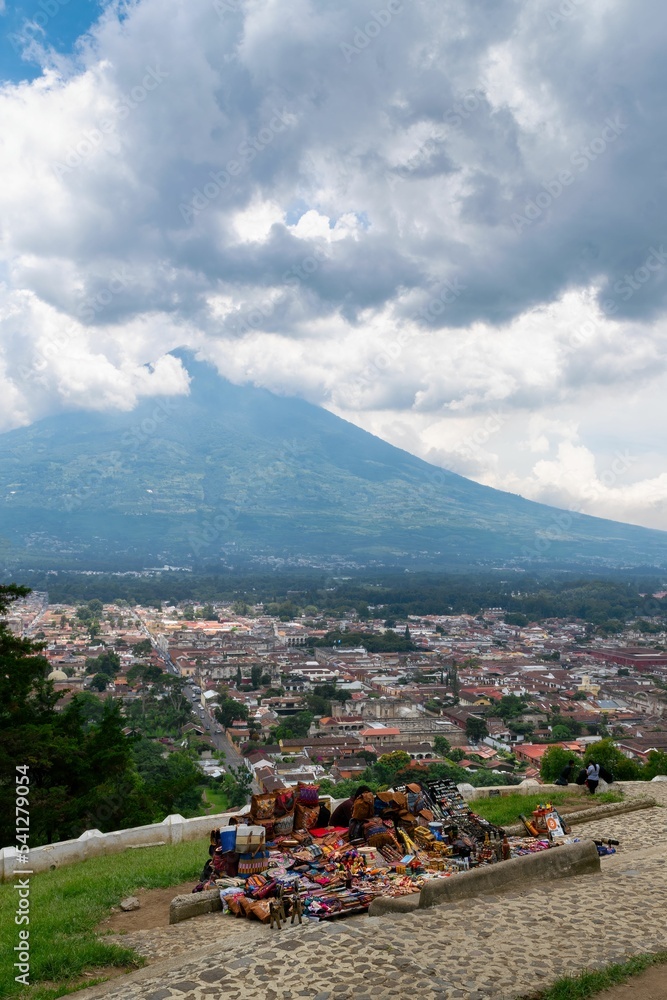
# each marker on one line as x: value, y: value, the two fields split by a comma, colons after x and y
x: 342, y: 814
x: 565, y: 776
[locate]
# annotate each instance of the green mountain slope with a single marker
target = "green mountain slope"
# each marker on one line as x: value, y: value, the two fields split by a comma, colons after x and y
x: 231, y: 471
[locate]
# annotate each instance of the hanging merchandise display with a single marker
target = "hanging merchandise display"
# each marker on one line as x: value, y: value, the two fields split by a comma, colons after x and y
x: 282, y: 864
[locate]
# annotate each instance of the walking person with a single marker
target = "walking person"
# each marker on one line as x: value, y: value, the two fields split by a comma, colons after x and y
x: 592, y: 777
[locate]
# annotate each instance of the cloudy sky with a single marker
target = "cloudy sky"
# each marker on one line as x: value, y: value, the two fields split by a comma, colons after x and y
x: 444, y: 221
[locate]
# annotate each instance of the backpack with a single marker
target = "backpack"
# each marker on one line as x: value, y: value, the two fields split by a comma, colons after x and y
x: 364, y: 806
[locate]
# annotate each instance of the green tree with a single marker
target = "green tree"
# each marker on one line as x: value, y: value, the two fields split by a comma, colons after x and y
x: 109, y: 789
x: 553, y: 762
x: 236, y: 785
x: 25, y: 691
x: 613, y: 626
x: 456, y: 754
x: 573, y: 727
x: 395, y: 761
x: 484, y: 778
x: 173, y: 782
x: 510, y: 706
x: 606, y: 753
x: 80, y: 772
x: 163, y: 708
x: 317, y: 705
x: 229, y: 710
x: 387, y: 642
x: 100, y: 682
x: 656, y: 764
x: 521, y: 728
x: 293, y: 727
x: 142, y: 648
x: 561, y: 733
x: 147, y: 674
x: 441, y: 745
x: 256, y: 676
x: 92, y: 707
x: 107, y: 663
x: 476, y: 729
x: 516, y: 619
x: 440, y: 771
x: 346, y: 788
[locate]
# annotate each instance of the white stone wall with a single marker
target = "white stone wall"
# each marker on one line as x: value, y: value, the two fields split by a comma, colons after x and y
x: 175, y: 829
x: 93, y: 843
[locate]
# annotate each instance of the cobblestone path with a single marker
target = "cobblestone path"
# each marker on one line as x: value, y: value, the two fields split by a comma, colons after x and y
x: 498, y: 947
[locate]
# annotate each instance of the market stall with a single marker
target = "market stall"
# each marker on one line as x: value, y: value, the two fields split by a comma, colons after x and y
x: 282, y: 864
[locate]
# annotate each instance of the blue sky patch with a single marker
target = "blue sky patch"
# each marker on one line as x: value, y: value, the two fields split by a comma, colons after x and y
x: 52, y: 24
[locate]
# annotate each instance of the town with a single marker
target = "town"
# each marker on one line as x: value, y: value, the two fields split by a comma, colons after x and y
x: 267, y: 702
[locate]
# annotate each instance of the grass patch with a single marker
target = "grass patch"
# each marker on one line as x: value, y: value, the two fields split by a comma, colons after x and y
x: 587, y: 984
x: 66, y: 906
x: 216, y: 798
x: 503, y: 810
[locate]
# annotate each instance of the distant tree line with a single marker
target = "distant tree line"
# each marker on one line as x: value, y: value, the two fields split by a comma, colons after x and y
x: 608, y: 602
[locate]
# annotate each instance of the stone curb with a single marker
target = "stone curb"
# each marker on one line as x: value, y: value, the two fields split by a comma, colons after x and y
x: 387, y: 904
x: 587, y: 815
x: 194, y: 904
x: 560, y: 862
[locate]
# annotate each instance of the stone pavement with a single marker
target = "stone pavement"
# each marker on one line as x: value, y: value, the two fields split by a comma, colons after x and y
x: 498, y: 947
